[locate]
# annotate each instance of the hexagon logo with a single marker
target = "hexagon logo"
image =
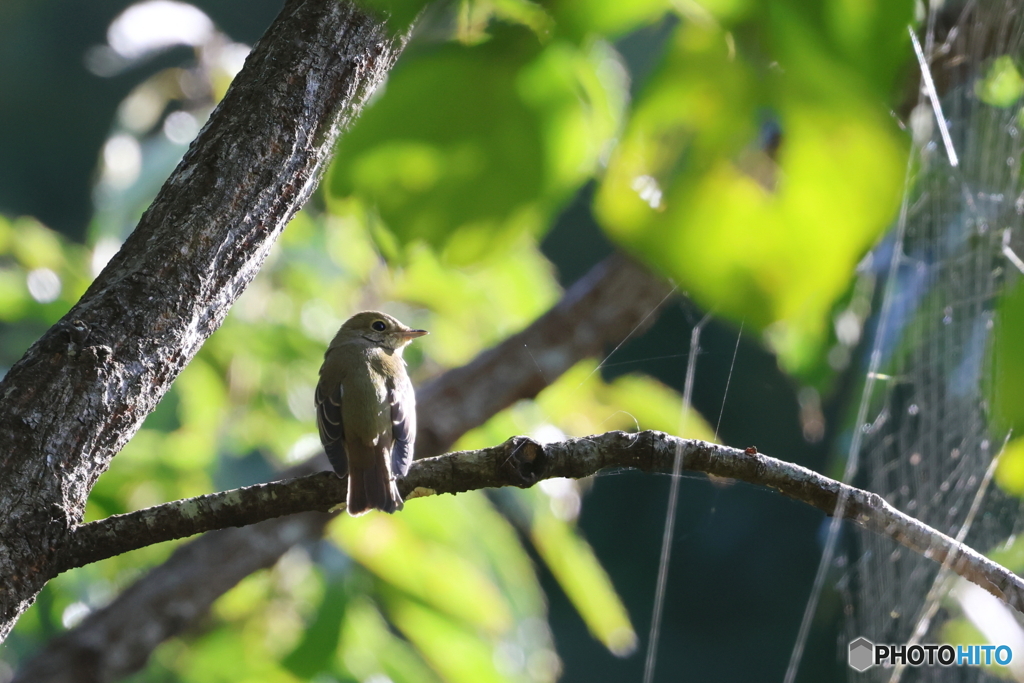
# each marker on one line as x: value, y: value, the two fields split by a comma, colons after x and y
x: 862, y: 655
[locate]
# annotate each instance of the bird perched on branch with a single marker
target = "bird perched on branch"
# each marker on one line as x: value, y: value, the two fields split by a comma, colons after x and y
x: 366, y: 409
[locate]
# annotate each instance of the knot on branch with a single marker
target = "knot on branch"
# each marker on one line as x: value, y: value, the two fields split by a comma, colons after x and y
x: 523, y: 462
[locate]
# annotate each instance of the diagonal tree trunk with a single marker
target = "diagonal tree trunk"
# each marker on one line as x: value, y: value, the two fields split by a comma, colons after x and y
x: 84, y: 388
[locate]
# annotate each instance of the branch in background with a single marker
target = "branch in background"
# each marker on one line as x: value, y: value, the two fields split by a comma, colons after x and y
x: 170, y: 599
x: 85, y: 387
x: 450, y: 406
x: 615, y: 300
x: 523, y: 462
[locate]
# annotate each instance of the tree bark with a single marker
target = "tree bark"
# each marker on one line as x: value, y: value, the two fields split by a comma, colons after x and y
x: 81, y: 391
x: 610, y: 304
x: 616, y: 300
x: 522, y: 462
x: 173, y: 597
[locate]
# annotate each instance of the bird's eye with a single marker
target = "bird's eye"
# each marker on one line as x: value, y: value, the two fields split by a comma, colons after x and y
x: 379, y: 325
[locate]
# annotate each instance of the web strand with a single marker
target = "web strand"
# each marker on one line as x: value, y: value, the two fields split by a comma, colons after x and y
x: 630, y: 335
x: 670, y: 513
x: 923, y: 433
x: 929, y: 84
x: 728, y: 380
x: 939, y: 585
x: 853, y: 459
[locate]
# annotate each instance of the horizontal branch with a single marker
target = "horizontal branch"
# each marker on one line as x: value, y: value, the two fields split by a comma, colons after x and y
x: 523, y: 462
x: 616, y: 300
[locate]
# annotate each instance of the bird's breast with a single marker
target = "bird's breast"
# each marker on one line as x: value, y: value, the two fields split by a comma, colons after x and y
x: 366, y: 411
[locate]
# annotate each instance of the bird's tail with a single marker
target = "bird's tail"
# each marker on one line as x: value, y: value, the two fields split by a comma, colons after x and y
x: 372, y: 488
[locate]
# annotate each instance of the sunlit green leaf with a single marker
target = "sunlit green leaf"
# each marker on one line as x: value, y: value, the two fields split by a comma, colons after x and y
x: 454, y: 651
x: 35, y: 245
x: 1010, y: 554
x: 202, y: 401
x: 1010, y: 470
x: 472, y: 146
x: 224, y: 657
x: 579, y: 573
x: 722, y: 10
x: 1002, y: 85
x: 578, y: 18
x: 13, y: 294
x: 475, y: 18
x: 961, y: 631
x: 429, y: 570
x: 369, y: 647
x: 870, y: 36
x: 770, y: 243
x: 1007, y: 386
x: 582, y: 403
x: 469, y: 524
x: 479, y: 305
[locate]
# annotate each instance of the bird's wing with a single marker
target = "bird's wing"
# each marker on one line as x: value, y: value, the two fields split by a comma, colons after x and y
x: 403, y: 425
x: 332, y: 430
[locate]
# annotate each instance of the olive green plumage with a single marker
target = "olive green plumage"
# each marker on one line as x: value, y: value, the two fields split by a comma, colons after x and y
x: 366, y: 409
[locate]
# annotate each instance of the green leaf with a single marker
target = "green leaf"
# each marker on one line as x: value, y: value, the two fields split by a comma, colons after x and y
x: 469, y: 524
x: 477, y: 306
x: 579, y: 573
x: 1009, y: 473
x: 425, y: 568
x: 1002, y: 86
x: 202, y: 402
x: 577, y: 19
x: 768, y: 239
x: 475, y: 18
x: 455, y: 652
x: 722, y: 10
x: 1010, y: 556
x: 961, y: 631
x: 36, y: 246
x: 368, y: 647
x: 14, y: 297
x: 224, y: 656
x: 1007, y: 386
x: 582, y: 403
x: 472, y: 146
x: 315, y: 652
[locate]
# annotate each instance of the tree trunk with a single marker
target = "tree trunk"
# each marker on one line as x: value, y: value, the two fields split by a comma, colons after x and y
x: 81, y: 391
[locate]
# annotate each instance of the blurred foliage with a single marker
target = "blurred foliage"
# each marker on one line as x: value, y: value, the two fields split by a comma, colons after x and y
x: 449, y: 572
x: 729, y: 166
x: 1002, y: 86
x: 1007, y: 390
x: 515, y: 127
x: 755, y: 166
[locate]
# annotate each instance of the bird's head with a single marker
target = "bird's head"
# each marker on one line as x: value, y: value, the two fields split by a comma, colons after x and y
x: 380, y: 329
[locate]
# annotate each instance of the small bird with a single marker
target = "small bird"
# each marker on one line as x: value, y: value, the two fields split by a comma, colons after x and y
x: 366, y: 409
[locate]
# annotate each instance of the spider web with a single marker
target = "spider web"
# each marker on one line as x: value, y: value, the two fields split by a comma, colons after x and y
x: 923, y: 438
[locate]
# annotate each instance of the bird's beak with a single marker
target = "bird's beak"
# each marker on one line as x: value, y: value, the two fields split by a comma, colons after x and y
x: 409, y: 335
